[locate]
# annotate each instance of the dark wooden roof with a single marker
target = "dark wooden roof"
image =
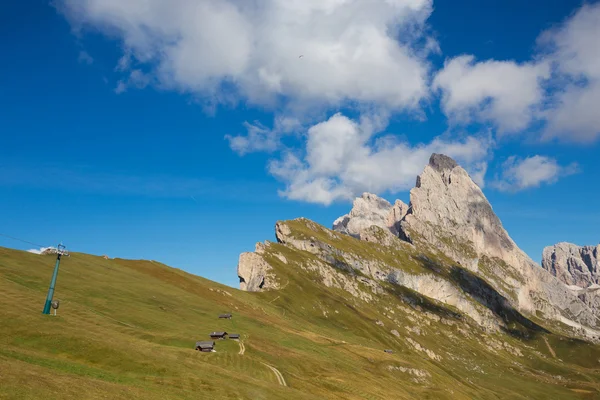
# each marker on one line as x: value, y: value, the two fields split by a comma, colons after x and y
x: 205, y: 344
x: 234, y: 336
x: 218, y: 333
x: 225, y: 316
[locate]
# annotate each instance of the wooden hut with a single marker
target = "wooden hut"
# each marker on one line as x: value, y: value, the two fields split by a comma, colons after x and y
x: 234, y: 336
x: 225, y: 316
x: 218, y: 335
x: 205, y: 346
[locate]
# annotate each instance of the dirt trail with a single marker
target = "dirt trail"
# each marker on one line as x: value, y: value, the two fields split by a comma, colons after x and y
x: 550, y: 347
x: 242, y: 348
x: 278, y: 375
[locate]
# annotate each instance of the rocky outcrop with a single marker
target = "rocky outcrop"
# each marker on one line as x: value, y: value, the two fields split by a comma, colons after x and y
x: 375, y: 234
x: 590, y: 296
x: 572, y: 264
x: 446, y: 292
x: 371, y: 210
x: 446, y: 199
x: 342, y: 260
x: 449, y: 212
x: 475, y: 304
x: 454, y: 251
x: 254, y: 272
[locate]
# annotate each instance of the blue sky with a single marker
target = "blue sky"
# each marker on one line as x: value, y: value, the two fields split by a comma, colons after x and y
x: 182, y: 133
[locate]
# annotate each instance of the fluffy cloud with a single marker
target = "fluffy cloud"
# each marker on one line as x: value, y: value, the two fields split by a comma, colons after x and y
x: 561, y: 88
x: 261, y: 138
x: 575, y: 55
x: 352, y: 50
x: 342, y: 159
x: 305, y: 58
x: 501, y: 92
x: 519, y: 174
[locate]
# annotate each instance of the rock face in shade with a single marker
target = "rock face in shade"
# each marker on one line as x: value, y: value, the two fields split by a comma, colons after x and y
x: 572, y: 264
x: 369, y: 210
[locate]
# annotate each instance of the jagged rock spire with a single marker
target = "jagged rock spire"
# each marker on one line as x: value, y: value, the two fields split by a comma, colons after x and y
x: 440, y: 162
x: 369, y: 210
x: 446, y: 197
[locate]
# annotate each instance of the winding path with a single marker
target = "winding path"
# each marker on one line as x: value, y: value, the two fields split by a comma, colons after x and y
x: 278, y: 375
x: 242, y: 348
x: 550, y: 347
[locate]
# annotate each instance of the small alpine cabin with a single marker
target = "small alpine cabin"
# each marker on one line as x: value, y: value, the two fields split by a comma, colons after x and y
x: 218, y: 335
x: 225, y: 316
x: 234, y: 336
x: 205, y: 346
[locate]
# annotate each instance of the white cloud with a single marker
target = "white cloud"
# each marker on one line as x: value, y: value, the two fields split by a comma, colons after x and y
x: 501, y: 92
x: 342, y: 160
x: 519, y: 174
x: 350, y: 48
x: 560, y: 88
x: 261, y: 138
x: 576, y: 56
x: 303, y: 59
x: 85, y: 58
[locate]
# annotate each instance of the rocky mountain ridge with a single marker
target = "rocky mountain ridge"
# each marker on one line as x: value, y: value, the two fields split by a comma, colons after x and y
x: 448, y: 245
x: 572, y: 264
x: 370, y: 210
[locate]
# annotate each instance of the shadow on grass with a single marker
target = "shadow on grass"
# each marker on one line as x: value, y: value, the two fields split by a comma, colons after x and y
x: 517, y: 325
x: 416, y: 299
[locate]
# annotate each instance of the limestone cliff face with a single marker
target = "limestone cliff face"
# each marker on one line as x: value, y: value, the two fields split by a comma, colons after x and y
x: 447, y: 245
x: 446, y: 198
x: 572, y: 264
x: 448, y: 211
x: 371, y: 210
x: 254, y: 272
x: 373, y: 271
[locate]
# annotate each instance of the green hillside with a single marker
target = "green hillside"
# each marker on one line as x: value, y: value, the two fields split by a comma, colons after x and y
x: 127, y: 329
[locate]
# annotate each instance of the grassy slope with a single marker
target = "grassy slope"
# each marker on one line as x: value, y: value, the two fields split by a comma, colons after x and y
x: 126, y: 329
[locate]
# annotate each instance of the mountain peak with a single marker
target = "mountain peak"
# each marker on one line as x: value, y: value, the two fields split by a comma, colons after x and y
x: 458, y: 246
x: 445, y: 196
x: 369, y: 210
x: 440, y: 162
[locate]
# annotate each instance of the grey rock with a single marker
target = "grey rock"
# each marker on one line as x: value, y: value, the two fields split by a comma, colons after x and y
x: 450, y: 217
x: 448, y: 212
x: 375, y: 234
x: 255, y: 273
x: 572, y: 264
x: 442, y: 290
x: 441, y: 162
x: 369, y: 210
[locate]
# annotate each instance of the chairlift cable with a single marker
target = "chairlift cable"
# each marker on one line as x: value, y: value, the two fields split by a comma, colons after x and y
x: 21, y: 240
